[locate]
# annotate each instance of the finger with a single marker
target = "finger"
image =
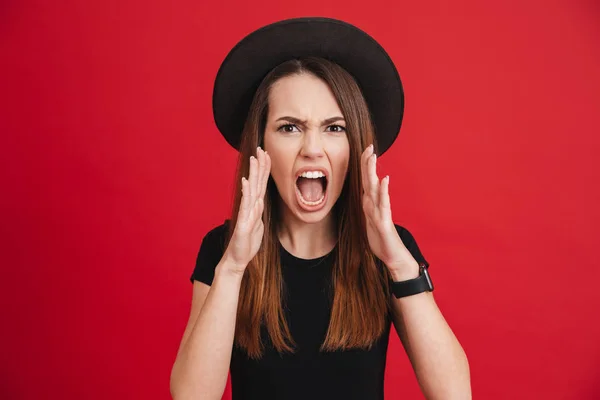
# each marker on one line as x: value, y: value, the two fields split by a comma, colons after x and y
x: 267, y: 173
x: 364, y: 167
x: 259, y: 229
x: 384, y: 196
x: 257, y: 211
x: 260, y: 154
x: 262, y: 163
x: 373, y: 180
x: 260, y: 207
x: 245, y: 202
x: 367, y: 204
x: 253, y: 175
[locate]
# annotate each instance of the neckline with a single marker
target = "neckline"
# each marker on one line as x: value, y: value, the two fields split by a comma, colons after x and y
x: 304, y: 262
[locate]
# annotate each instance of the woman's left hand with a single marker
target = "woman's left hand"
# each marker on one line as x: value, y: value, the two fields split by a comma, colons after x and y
x: 381, y: 232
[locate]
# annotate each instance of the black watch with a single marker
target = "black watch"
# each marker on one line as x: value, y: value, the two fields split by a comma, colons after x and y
x: 413, y: 286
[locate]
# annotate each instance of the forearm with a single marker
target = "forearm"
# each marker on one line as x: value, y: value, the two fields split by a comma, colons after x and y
x: 201, y: 369
x: 437, y: 357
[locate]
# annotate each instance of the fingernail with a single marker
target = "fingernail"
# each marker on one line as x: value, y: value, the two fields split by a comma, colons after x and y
x: 258, y: 149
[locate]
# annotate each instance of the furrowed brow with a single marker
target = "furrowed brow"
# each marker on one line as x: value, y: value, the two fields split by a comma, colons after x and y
x: 303, y: 123
x: 331, y: 120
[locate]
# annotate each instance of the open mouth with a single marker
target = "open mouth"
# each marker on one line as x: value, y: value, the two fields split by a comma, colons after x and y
x: 311, y: 187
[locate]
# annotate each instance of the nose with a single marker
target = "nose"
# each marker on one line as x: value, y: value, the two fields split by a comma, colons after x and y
x: 312, y: 144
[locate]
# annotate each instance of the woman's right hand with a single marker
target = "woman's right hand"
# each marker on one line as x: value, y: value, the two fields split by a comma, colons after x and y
x: 249, y: 228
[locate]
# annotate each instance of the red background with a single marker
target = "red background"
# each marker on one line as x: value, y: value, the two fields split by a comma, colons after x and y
x: 112, y: 171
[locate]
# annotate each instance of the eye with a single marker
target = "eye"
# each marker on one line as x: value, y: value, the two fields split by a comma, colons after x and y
x: 287, y: 128
x: 337, y: 128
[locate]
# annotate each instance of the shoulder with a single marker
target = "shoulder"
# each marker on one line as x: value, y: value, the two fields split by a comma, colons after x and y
x: 411, y: 244
x: 217, y: 235
x: 210, y: 253
x: 404, y: 233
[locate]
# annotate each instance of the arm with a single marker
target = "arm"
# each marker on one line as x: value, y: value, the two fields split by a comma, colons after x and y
x: 437, y: 357
x: 202, y: 364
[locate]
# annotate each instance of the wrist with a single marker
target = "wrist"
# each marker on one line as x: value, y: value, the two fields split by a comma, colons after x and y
x: 226, y: 280
x: 404, y: 272
x: 229, y: 269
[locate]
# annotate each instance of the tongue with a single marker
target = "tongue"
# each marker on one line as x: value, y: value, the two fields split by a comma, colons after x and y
x: 311, y: 189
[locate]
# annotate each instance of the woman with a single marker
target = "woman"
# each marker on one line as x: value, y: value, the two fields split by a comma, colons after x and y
x: 296, y: 294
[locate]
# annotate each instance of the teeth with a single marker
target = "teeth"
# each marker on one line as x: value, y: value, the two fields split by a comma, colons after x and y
x: 312, y: 175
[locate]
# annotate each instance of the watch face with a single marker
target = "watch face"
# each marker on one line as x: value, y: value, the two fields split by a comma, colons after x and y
x: 428, y: 279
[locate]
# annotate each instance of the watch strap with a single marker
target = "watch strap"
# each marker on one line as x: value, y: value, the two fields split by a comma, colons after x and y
x: 413, y: 286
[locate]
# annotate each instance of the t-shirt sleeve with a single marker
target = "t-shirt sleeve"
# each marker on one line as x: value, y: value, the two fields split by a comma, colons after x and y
x: 210, y: 254
x: 411, y: 244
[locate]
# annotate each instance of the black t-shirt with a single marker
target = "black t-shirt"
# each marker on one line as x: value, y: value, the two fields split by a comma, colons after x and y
x: 307, y: 374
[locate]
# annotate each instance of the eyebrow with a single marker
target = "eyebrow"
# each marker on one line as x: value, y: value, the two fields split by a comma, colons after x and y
x: 303, y: 123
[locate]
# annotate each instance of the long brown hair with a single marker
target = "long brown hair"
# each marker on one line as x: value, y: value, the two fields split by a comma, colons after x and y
x: 360, y: 288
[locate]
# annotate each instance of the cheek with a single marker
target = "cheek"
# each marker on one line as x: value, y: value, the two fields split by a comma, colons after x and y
x: 280, y: 167
x: 340, y: 158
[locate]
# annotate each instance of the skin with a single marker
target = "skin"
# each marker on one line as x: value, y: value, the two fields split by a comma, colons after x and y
x: 296, y: 137
x: 439, y: 362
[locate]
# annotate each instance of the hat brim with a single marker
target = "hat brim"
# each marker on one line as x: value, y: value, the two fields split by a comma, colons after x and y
x: 253, y: 57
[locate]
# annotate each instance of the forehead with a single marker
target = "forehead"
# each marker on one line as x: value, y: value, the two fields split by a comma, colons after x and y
x: 303, y: 96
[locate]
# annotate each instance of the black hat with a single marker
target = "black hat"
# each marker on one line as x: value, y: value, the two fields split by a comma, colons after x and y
x: 253, y: 57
